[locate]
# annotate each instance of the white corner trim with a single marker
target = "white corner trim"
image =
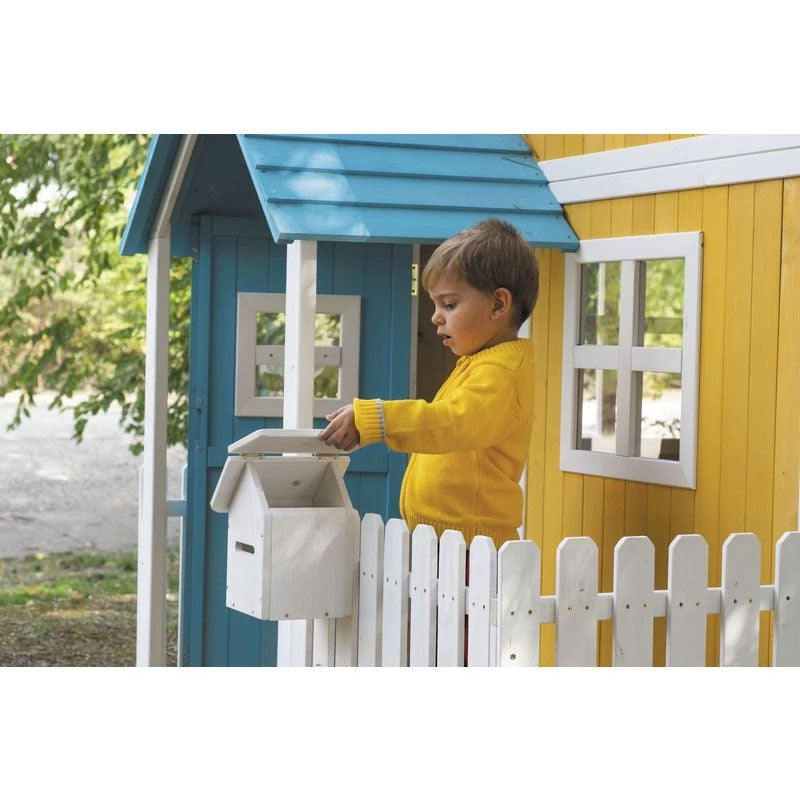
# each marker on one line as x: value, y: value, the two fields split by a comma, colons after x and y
x: 695, y: 162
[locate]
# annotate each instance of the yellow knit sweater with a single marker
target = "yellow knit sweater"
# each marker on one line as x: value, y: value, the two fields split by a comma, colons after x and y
x: 469, y: 445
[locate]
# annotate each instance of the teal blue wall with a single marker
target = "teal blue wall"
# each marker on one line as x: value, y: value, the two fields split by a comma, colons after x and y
x: 236, y: 254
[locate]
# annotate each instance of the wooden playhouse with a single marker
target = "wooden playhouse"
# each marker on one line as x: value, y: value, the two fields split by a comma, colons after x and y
x: 667, y: 347
x: 326, y: 230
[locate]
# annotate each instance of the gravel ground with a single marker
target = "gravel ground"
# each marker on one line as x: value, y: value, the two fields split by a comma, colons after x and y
x: 58, y: 496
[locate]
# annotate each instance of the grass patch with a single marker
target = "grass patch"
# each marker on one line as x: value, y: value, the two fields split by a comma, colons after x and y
x: 76, y: 609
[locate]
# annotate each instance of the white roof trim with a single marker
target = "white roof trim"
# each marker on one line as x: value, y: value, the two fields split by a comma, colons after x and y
x: 161, y: 225
x: 695, y: 162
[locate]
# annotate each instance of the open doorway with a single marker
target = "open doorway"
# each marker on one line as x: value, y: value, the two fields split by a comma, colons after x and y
x: 434, y: 361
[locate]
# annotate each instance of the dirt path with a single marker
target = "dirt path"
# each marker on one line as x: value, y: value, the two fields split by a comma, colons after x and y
x: 58, y: 496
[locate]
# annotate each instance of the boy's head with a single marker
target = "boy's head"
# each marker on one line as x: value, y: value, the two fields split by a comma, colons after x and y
x: 484, y: 283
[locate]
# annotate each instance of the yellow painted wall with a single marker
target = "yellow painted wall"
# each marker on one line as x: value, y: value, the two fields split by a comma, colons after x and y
x: 749, y: 426
x: 558, y: 145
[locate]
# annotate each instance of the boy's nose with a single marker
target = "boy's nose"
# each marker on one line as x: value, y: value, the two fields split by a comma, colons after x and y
x: 437, y: 318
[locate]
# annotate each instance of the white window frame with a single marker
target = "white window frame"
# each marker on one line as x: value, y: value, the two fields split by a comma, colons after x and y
x: 625, y: 359
x: 249, y: 356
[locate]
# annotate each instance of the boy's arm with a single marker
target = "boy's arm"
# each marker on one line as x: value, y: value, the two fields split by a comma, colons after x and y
x: 481, y: 412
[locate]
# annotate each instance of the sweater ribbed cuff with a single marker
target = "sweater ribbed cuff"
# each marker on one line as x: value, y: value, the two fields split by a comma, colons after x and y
x: 369, y: 421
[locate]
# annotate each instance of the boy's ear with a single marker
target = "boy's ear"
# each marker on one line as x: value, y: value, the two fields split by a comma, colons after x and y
x: 502, y: 300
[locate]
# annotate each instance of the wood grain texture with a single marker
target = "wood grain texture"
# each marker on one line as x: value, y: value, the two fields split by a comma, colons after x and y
x: 787, y: 420
x: 686, y: 601
x: 540, y: 329
x: 763, y: 379
x: 633, y: 602
x: 576, y: 603
x: 554, y: 477
x: 786, y: 636
x: 738, y: 634
x: 712, y: 346
x: 518, y: 592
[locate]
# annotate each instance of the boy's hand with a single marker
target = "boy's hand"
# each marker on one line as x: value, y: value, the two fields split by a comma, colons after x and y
x: 341, y: 432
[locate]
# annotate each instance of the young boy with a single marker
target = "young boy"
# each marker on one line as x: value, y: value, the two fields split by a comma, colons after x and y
x: 470, y: 444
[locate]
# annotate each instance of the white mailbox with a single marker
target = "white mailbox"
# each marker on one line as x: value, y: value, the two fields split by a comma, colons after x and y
x: 292, y: 531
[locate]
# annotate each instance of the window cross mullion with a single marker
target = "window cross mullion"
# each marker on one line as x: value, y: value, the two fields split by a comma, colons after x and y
x: 626, y: 385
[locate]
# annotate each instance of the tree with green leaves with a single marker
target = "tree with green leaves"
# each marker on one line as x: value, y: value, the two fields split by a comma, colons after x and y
x: 72, y: 310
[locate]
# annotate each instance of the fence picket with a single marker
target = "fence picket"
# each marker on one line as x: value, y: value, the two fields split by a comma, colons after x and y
x: 324, y: 638
x: 738, y: 630
x: 399, y: 598
x: 394, y: 634
x: 450, y: 599
x: 576, y: 603
x: 686, y: 601
x: 786, y: 628
x: 482, y: 589
x: 370, y: 591
x: 518, y: 582
x: 634, y: 569
x: 424, y: 559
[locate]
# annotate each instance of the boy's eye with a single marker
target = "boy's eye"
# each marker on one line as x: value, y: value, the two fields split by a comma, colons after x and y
x: 449, y: 306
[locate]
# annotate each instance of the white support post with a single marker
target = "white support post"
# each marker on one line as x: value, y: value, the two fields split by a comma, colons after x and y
x: 298, y: 398
x: 151, y: 604
x: 151, y: 600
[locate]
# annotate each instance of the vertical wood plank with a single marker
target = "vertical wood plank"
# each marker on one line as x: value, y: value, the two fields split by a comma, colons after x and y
x: 370, y: 592
x: 482, y: 590
x: 666, y: 219
x: 536, y: 142
x: 300, y: 634
x: 635, y: 139
x: 712, y: 345
x: 298, y: 395
x: 554, y: 145
x: 450, y: 599
x: 324, y: 640
x: 573, y: 483
x: 690, y: 218
x: 576, y: 603
x: 657, y: 529
x: 741, y: 568
x: 424, y: 560
x: 736, y: 360
x: 518, y: 617
x: 554, y: 477
x: 346, y: 628
x: 394, y: 635
x: 593, y: 142
x: 787, y: 420
x: 540, y: 327
x: 595, y: 503
x: 786, y: 625
x: 686, y: 601
x: 613, y: 532
x: 151, y: 609
x: 763, y: 378
x: 634, y: 560
x: 614, y: 141
x: 573, y: 144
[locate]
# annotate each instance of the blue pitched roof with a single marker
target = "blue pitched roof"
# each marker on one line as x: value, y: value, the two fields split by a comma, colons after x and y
x: 382, y: 188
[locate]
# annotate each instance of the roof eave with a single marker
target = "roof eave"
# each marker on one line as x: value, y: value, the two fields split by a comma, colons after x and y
x: 156, y: 173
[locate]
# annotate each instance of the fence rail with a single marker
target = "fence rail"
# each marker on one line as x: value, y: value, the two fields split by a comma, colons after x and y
x: 415, y: 607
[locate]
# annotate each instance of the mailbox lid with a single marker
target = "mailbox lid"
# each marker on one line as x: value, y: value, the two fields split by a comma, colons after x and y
x: 283, y: 440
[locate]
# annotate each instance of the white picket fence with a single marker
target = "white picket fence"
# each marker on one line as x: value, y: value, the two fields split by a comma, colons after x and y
x: 413, y: 599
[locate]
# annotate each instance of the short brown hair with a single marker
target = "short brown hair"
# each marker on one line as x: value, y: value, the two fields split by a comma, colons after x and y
x: 489, y: 256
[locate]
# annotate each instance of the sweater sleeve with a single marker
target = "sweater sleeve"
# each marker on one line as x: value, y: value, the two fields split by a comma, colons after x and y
x: 479, y: 413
